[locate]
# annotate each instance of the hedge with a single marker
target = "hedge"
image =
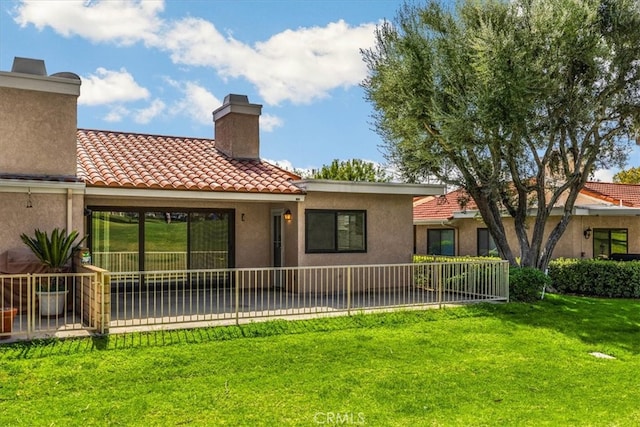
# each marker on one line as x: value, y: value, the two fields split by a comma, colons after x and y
x: 601, y: 278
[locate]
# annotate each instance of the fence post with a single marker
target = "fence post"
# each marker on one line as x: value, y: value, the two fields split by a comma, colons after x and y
x: 349, y: 290
x: 237, y: 282
x: 439, y: 285
x: 31, y: 304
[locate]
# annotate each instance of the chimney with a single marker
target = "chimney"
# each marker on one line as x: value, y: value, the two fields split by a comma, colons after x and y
x: 39, y: 120
x: 237, y: 129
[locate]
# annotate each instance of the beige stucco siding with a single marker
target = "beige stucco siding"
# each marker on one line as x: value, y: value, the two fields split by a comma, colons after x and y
x: 37, y: 132
x: 48, y: 212
x: 389, y: 231
x: 572, y: 244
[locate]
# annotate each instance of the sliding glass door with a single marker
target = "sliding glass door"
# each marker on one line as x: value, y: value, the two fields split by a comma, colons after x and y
x: 161, y: 240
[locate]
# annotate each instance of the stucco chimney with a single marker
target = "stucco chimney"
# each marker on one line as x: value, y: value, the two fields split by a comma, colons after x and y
x: 237, y: 129
x: 38, y: 120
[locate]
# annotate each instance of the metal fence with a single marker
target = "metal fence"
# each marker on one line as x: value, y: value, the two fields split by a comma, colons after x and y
x: 160, y: 260
x: 45, y: 305
x: 101, y: 301
x: 209, y: 297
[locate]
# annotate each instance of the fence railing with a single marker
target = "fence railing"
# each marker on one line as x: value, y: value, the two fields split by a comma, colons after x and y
x: 237, y: 295
x: 160, y: 260
x: 43, y: 305
x: 99, y: 301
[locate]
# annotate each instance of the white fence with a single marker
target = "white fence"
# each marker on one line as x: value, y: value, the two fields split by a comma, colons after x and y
x: 160, y: 260
x: 222, y: 296
x: 45, y: 305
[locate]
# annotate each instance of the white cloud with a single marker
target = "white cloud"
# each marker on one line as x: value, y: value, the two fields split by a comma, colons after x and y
x: 603, y: 175
x: 270, y: 122
x: 116, y: 114
x: 107, y: 86
x: 122, y: 21
x: 296, y: 65
x: 197, y: 102
x: 145, y: 115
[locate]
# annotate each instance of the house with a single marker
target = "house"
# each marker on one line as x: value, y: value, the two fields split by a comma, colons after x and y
x: 606, y: 220
x: 149, y: 202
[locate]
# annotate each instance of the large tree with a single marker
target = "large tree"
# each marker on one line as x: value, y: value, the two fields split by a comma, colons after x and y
x: 517, y: 102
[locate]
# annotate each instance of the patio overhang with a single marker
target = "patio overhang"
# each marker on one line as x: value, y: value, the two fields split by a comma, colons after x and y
x: 330, y: 186
x: 136, y: 193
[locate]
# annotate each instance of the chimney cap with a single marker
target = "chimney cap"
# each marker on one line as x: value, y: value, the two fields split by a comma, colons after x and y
x: 29, y: 66
x: 234, y: 103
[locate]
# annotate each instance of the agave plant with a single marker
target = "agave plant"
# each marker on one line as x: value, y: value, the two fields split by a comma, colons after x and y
x: 53, y: 251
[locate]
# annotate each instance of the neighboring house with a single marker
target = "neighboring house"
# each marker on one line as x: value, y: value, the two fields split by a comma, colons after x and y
x: 164, y: 202
x: 606, y: 220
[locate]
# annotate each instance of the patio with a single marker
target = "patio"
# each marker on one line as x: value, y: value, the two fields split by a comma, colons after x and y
x: 137, y: 301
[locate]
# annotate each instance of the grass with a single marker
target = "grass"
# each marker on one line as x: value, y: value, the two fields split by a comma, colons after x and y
x: 510, y: 364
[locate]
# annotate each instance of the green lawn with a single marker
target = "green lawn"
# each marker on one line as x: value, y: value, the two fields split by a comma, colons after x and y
x: 510, y: 364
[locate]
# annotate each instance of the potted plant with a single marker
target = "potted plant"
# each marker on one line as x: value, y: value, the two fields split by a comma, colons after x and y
x: 54, y: 252
x: 8, y: 314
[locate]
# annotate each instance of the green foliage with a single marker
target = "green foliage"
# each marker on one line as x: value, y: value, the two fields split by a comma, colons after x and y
x: 53, y: 251
x: 628, y: 176
x: 526, y: 284
x: 516, y: 101
x: 602, y: 278
x: 351, y: 170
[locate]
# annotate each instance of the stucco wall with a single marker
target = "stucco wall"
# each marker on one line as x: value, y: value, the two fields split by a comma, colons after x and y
x: 48, y: 212
x: 37, y: 132
x: 572, y: 244
x: 389, y: 230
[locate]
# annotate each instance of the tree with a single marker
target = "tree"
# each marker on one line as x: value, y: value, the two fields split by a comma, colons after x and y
x: 628, y: 176
x: 515, y: 101
x: 351, y: 170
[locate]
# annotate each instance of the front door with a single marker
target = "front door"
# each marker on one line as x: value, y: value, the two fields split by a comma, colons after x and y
x: 277, y: 247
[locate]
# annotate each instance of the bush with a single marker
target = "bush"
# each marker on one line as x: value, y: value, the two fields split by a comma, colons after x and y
x: 600, y: 278
x: 526, y: 283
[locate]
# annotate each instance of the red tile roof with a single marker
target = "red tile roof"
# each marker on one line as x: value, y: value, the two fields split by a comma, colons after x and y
x: 443, y: 207
x: 618, y: 194
x: 131, y: 160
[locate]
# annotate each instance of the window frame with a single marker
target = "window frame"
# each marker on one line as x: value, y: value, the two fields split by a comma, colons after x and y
x: 597, y: 253
x: 440, y: 230
x: 336, y: 214
x: 480, y: 230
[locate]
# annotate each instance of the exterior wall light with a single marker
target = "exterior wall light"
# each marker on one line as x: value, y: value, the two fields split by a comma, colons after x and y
x: 287, y: 215
x: 587, y: 233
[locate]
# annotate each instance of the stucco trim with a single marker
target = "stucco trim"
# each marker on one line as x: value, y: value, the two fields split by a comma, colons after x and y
x: 36, y: 186
x: 49, y: 84
x: 133, y: 193
x: 329, y: 186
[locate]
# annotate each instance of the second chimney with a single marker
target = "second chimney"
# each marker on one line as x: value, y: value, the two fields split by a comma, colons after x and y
x: 237, y: 127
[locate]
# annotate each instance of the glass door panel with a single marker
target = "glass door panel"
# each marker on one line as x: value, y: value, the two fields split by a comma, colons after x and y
x: 209, y: 240
x: 165, y: 241
x: 114, y: 240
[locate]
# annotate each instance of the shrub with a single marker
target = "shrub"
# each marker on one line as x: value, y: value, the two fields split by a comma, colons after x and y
x: 526, y: 283
x: 601, y: 278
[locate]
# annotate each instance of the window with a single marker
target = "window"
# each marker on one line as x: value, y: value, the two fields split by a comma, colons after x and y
x: 335, y: 231
x: 441, y: 242
x: 607, y: 241
x: 486, y: 245
x: 138, y: 239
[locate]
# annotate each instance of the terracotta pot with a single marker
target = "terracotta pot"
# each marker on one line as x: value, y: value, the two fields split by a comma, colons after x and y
x: 8, y: 314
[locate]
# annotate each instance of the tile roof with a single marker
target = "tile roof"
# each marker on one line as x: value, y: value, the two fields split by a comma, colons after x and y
x: 617, y: 194
x: 443, y: 207
x: 131, y: 160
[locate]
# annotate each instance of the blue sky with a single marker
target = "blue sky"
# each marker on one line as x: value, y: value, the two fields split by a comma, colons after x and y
x: 163, y: 67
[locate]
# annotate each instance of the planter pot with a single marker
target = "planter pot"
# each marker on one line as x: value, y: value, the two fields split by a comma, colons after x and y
x: 8, y: 314
x: 52, y: 303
